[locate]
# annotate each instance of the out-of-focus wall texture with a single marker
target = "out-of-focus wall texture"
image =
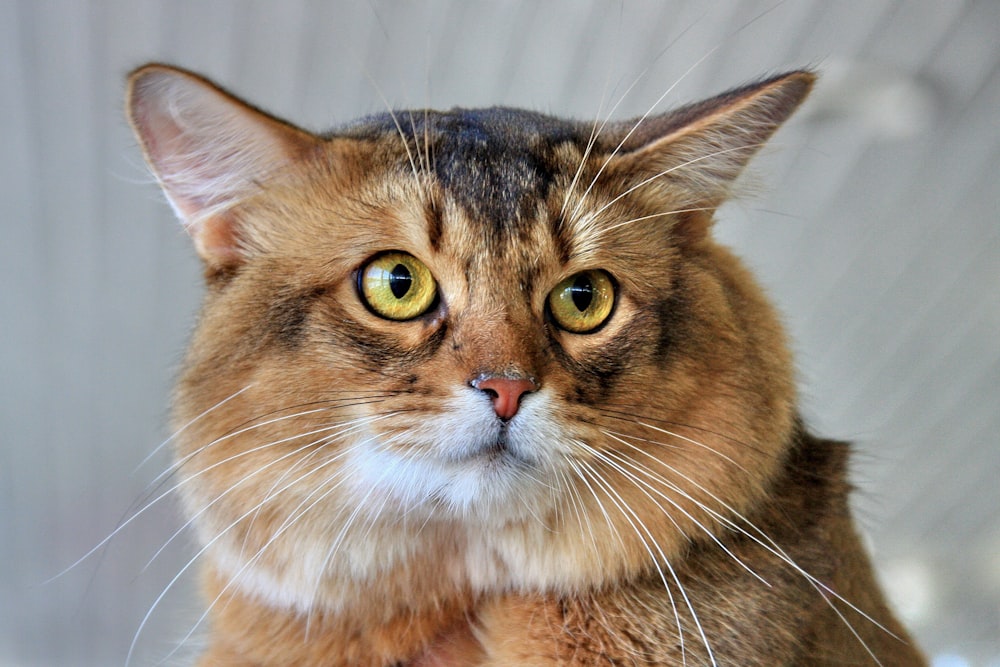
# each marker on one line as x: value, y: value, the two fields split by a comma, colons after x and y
x: 875, y: 227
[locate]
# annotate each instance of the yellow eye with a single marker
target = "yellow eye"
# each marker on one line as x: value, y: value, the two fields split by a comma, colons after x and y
x: 397, y: 286
x: 582, y: 302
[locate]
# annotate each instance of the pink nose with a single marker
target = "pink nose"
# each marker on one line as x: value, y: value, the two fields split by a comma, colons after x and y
x: 506, y: 393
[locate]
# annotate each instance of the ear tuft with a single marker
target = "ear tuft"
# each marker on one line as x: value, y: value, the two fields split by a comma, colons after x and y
x: 208, y: 149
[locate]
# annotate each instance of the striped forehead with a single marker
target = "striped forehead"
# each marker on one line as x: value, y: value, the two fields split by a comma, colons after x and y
x: 498, y: 165
x: 493, y: 168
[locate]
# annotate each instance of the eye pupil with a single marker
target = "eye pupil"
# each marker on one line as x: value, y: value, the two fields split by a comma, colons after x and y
x: 400, y: 280
x: 582, y: 293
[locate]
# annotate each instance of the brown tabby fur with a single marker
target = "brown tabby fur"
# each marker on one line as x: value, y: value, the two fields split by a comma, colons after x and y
x: 656, y: 500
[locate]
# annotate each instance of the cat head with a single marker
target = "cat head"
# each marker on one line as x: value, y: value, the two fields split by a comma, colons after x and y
x: 488, y: 338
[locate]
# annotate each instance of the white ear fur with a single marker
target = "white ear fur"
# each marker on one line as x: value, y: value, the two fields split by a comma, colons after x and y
x: 208, y: 150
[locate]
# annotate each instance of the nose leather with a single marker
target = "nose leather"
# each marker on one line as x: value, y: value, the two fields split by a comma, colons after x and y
x: 506, y: 393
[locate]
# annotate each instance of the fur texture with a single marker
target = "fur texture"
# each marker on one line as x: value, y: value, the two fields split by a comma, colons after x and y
x: 478, y: 482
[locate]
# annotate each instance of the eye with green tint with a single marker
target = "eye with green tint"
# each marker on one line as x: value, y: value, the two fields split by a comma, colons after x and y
x: 582, y: 302
x: 397, y: 286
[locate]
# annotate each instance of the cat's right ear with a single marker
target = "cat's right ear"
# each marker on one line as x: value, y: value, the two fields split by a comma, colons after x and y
x: 209, y: 150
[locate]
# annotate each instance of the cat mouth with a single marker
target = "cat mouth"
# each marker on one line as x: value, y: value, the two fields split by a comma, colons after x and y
x: 498, y: 448
x: 494, y: 450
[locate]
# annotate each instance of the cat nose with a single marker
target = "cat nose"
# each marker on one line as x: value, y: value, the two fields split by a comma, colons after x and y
x: 505, y: 393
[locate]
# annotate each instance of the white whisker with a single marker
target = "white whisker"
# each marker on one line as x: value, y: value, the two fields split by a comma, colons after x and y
x: 609, y: 228
x: 628, y: 513
x: 287, y: 524
x: 179, y: 463
x: 221, y: 534
x: 577, y: 467
x: 670, y: 170
x: 185, y: 427
x: 122, y: 525
x: 635, y: 126
x: 608, y: 456
x: 348, y: 524
x: 337, y: 430
x: 596, y: 131
x: 767, y: 543
x: 402, y: 137
x: 688, y: 440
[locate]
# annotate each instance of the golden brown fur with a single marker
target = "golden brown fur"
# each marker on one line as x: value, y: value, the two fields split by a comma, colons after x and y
x: 655, y: 500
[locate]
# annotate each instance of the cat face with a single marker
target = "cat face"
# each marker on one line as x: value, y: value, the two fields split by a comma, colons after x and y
x: 488, y: 345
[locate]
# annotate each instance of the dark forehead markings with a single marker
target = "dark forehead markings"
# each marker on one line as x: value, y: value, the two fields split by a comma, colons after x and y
x: 485, y: 163
x: 561, y: 238
x: 497, y: 164
x: 435, y: 225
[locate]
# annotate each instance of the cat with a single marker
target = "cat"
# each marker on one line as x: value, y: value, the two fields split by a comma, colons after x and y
x: 477, y: 387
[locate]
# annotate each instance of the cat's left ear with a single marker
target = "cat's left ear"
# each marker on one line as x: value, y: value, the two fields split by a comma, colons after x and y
x: 209, y: 150
x: 693, y: 155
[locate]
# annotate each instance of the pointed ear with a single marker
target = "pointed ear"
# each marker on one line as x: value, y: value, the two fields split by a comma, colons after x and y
x: 208, y: 150
x: 696, y: 152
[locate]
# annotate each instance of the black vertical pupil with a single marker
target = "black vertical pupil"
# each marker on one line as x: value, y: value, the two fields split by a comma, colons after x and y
x: 400, y: 280
x: 582, y: 292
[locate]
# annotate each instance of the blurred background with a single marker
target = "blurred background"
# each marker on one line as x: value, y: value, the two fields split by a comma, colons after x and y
x: 874, y: 224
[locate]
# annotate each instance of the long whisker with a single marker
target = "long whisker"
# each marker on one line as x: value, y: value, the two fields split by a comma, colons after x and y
x: 635, y: 127
x: 630, y: 416
x: 683, y: 76
x: 392, y: 486
x: 354, y: 400
x: 646, y: 471
x: 128, y: 514
x: 226, y: 530
x: 359, y: 505
x: 343, y: 429
x: 577, y: 467
x: 672, y: 169
x: 691, y: 441
x: 847, y: 624
x: 654, y: 215
x: 596, y: 128
x: 255, y: 423
x: 523, y: 473
x: 123, y: 524
x: 183, y: 428
x: 293, y: 517
x: 629, y: 513
x: 176, y: 578
x: 330, y: 432
x: 233, y: 487
x: 596, y: 131
x: 316, y: 448
x: 655, y: 104
x: 420, y: 152
x: 399, y: 129
x: 427, y: 106
x: 767, y: 543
